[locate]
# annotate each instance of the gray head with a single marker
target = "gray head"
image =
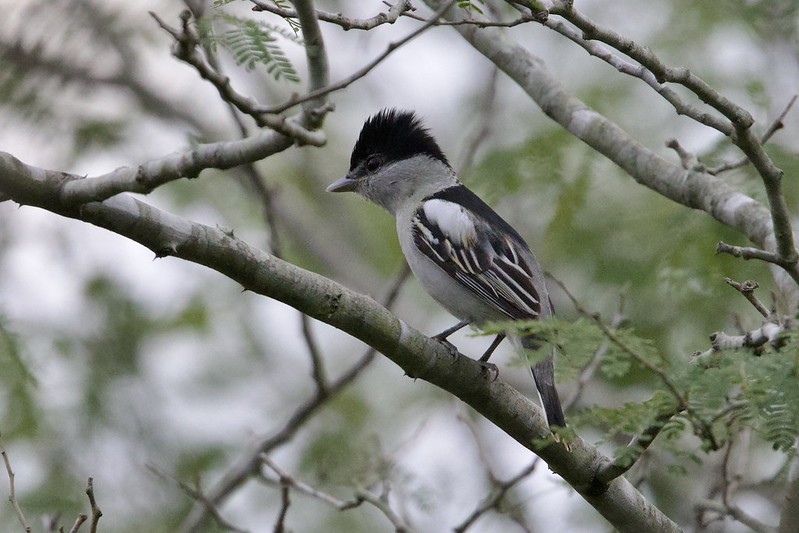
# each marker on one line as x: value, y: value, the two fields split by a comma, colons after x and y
x: 395, y: 160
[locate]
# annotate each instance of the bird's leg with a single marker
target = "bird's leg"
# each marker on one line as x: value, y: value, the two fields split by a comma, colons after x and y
x: 490, y: 350
x: 442, y: 337
x: 490, y: 370
x: 449, y: 331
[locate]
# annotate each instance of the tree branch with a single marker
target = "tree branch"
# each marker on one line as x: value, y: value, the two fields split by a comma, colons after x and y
x: 250, y: 466
x: 747, y: 289
x: 148, y: 176
x: 739, y: 128
x: 285, y: 480
x: 96, y: 512
x: 196, y: 494
x: 363, y: 71
x: 775, y: 126
x: 646, y: 75
x: 12, y: 491
x: 82, y: 517
x: 318, y: 67
x: 188, y: 50
x: 739, y: 117
x: 736, y: 513
x: 692, y: 188
x: 346, y: 23
x: 499, y: 488
x: 360, y: 316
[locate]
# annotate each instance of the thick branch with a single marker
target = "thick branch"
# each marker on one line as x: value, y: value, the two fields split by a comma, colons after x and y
x: 692, y: 188
x: 638, y: 71
x: 682, y: 76
x: 356, y: 314
x: 739, y: 128
x: 148, y: 176
x: 318, y: 66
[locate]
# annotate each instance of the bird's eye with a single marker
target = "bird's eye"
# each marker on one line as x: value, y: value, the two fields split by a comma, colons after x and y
x: 374, y: 163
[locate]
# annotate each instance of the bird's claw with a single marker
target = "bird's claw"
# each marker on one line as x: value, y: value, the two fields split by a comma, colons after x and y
x: 489, y: 370
x: 453, y: 351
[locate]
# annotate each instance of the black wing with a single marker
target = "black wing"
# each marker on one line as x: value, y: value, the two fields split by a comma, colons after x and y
x: 465, y: 244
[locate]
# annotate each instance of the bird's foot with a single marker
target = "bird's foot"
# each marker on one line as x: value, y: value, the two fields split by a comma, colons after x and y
x: 489, y: 370
x: 451, y: 348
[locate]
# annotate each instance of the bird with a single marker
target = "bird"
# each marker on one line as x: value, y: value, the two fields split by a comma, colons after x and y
x: 466, y: 256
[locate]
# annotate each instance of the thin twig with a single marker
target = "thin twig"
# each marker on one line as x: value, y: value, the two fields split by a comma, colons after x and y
x: 285, y: 501
x: 737, y: 115
x: 317, y: 362
x: 96, y: 512
x: 771, y: 176
x: 12, y: 494
x: 700, y: 425
x: 619, y: 320
x: 284, y: 478
x: 361, y: 495
x: 747, y: 289
x: 638, y: 71
x: 611, y: 335
x: 588, y: 371
x: 639, y: 445
x: 688, y: 160
x: 499, y: 488
x: 736, y: 513
x: 775, y: 126
x: 494, y: 499
x: 523, y: 19
x: 250, y: 466
x: 381, y: 504
x: 346, y: 23
x: 187, y: 50
x: 197, y: 495
x: 746, y: 253
x: 270, y: 110
x: 82, y: 517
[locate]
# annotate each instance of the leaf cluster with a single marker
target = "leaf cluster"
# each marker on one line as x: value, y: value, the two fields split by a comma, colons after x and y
x: 470, y: 5
x: 713, y: 401
x: 251, y: 43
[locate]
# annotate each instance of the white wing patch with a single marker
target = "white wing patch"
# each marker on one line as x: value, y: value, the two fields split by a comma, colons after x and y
x: 492, y: 268
x: 452, y: 220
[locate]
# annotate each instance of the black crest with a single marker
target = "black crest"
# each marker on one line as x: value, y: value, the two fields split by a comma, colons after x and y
x: 396, y: 135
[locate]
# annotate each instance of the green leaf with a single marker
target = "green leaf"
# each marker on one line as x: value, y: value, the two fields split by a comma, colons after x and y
x: 251, y: 43
x: 469, y: 5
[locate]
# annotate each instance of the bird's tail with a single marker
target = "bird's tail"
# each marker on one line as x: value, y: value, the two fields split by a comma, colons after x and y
x: 544, y: 376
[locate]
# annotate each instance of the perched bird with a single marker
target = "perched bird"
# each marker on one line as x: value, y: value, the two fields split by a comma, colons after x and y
x: 464, y: 254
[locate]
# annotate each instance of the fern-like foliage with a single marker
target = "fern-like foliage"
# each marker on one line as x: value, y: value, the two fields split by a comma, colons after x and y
x: 293, y: 24
x: 251, y: 43
x: 737, y: 389
x: 470, y: 5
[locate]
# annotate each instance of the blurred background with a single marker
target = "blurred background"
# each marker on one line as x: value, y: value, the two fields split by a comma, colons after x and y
x: 111, y: 361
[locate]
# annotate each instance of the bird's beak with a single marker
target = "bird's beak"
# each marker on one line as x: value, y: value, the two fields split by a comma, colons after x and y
x: 343, y: 185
